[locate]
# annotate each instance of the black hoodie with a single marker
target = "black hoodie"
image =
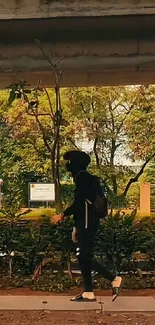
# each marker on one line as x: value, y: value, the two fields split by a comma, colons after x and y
x: 86, y: 188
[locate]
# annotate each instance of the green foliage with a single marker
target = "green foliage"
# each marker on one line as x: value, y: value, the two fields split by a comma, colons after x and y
x: 109, y: 118
x: 53, y: 283
x: 130, y: 282
x: 140, y: 125
x: 33, y: 240
x: 133, y: 196
x: 18, y: 91
x: 116, y: 239
x: 67, y: 191
x: 114, y: 119
x: 146, y: 237
x: 35, y: 243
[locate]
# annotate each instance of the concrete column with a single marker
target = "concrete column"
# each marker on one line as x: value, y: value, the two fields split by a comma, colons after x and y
x: 145, y: 206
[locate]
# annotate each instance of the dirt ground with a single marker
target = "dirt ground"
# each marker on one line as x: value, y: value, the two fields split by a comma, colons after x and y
x: 76, y: 318
x: 29, y: 292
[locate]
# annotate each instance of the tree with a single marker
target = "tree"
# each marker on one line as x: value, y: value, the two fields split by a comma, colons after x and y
x: 140, y: 126
x: 113, y: 119
x: 20, y: 162
x: 103, y: 115
x: 43, y: 126
x: 55, y: 114
x: 149, y: 174
x: 38, y: 125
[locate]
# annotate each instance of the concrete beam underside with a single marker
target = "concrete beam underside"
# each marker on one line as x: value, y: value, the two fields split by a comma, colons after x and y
x: 83, y: 64
x: 23, y: 9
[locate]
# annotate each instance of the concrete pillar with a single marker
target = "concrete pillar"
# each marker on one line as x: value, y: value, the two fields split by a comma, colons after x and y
x: 145, y: 206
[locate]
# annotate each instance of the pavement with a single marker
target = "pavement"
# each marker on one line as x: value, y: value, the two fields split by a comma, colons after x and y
x: 63, y: 303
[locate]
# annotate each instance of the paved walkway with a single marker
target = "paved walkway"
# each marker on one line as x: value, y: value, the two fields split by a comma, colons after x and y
x: 122, y: 304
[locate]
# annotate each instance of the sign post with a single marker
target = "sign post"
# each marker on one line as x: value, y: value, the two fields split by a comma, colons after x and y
x: 41, y: 192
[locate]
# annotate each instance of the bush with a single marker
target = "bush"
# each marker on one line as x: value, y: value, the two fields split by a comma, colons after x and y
x: 35, y: 243
x: 130, y: 282
x: 63, y: 243
x: 32, y: 241
x: 116, y: 240
x: 145, y: 240
x: 67, y: 191
x: 38, y: 241
x: 53, y: 283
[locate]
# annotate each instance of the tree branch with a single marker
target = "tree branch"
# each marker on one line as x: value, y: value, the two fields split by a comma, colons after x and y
x: 95, y: 151
x: 84, y: 111
x: 73, y: 143
x: 135, y: 179
x: 39, y: 114
x: 129, y: 110
x: 42, y: 130
x: 53, y: 65
x: 46, y: 57
x: 49, y: 101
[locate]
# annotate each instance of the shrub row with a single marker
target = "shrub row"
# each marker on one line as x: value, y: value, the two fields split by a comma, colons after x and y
x: 25, y: 243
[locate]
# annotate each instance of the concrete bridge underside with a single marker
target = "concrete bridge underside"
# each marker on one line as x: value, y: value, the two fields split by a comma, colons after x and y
x: 101, y: 50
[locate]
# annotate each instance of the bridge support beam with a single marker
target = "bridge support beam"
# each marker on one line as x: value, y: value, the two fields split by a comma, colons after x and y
x: 86, y: 63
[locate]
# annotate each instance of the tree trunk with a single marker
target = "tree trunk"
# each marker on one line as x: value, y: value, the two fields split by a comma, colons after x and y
x: 113, y: 176
x: 58, y: 202
x: 136, y: 178
x: 56, y: 181
x: 95, y: 151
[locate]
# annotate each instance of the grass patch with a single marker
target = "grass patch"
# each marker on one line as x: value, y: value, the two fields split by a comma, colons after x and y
x: 39, y: 212
x: 36, y: 213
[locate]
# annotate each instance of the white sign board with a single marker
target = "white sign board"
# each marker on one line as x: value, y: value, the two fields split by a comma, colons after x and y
x: 42, y: 192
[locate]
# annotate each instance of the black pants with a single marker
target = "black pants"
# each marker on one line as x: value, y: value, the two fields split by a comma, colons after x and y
x: 85, y: 256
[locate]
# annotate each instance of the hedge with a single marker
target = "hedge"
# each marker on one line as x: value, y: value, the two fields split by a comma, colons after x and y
x: 119, y: 239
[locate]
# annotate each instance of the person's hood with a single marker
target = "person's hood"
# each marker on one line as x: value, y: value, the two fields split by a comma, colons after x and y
x: 76, y: 161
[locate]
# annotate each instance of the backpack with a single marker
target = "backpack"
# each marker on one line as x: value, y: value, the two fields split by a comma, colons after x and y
x: 100, y: 203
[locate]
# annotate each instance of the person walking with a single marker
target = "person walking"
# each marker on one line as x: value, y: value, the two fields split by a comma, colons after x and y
x: 86, y: 224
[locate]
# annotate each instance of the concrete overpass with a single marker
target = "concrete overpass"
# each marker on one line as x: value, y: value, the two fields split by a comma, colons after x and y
x: 102, y: 42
